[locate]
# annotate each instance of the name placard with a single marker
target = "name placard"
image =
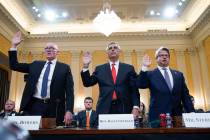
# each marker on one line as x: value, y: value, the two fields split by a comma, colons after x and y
x: 199, y: 120
x: 26, y: 122
x: 116, y: 121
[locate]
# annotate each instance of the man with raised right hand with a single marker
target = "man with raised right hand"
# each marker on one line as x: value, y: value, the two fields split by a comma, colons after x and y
x: 49, y: 87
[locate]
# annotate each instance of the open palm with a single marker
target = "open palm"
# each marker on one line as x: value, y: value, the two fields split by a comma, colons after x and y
x: 146, y: 61
x: 17, y: 39
x: 87, y: 58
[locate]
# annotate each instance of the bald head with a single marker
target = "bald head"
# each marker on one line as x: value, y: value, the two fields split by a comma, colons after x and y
x: 51, y: 51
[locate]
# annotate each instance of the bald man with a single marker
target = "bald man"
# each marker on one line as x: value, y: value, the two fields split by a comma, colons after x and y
x: 9, y: 109
x: 49, y: 87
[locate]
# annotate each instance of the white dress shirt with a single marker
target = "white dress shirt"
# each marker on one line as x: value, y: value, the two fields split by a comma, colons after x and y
x: 39, y: 83
x: 169, y: 73
x: 116, y: 65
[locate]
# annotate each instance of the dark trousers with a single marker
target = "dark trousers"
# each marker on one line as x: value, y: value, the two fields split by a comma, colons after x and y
x: 38, y: 107
x: 116, y: 107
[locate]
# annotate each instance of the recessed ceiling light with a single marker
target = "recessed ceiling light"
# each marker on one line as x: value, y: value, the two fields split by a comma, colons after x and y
x: 157, y: 13
x: 183, y: 0
x: 169, y: 12
x: 36, y: 10
x: 50, y: 15
x: 180, y: 3
x: 39, y: 15
x: 152, y: 12
x: 34, y: 7
x: 64, y: 14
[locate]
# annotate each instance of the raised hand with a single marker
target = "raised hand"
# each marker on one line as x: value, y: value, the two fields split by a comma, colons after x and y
x: 87, y: 58
x: 146, y: 61
x: 17, y: 39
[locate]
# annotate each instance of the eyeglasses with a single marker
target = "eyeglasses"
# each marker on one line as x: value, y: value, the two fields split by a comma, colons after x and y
x: 88, y: 102
x: 113, y: 47
x: 163, y: 55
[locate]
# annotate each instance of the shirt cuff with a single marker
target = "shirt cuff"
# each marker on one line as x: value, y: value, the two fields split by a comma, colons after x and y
x: 13, y: 49
x: 144, y: 68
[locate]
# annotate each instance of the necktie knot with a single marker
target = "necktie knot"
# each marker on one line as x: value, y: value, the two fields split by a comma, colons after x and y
x: 164, y: 68
x: 87, y: 113
x: 49, y: 62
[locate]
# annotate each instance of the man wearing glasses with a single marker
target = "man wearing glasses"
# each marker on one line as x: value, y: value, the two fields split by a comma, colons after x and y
x: 116, y: 92
x: 49, y: 87
x: 168, y: 91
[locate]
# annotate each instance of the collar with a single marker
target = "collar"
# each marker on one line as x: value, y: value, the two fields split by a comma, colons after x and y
x: 53, y: 61
x: 116, y: 62
x: 161, y: 68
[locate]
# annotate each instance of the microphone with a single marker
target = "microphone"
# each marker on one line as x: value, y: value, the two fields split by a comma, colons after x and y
x: 57, y: 101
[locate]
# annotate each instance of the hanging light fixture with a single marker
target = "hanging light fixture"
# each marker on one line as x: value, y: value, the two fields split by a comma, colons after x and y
x: 107, y: 20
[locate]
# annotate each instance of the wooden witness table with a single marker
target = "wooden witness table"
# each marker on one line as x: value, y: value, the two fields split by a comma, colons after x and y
x: 126, y: 134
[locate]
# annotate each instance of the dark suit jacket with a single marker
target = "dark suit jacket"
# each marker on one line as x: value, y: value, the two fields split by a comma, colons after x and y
x: 163, y: 100
x: 61, y: 88
x: 81, y: 118
x: 128, y: 95
x: 13, y: 113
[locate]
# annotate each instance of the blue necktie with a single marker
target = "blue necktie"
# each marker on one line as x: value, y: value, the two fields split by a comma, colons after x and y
x: 166, y: 76
x: 45, y: 80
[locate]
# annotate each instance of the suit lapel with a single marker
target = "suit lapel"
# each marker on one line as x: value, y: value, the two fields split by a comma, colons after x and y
x: 119, y: 73
x: 92, y: 117
x: 174, y: 75
x: 56, y: 70
x: 108, y: 70
x: 39, y: 69
x: 162, y: 79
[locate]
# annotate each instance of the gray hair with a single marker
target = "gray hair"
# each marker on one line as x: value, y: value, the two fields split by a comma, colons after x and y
x: 117, y: 44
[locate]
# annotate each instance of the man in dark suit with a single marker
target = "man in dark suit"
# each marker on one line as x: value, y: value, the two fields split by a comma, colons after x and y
x: 49, y: 87
x: 88, y: 117
x: 116, y: 96
x: 9, y: 110
x: 168, y: 91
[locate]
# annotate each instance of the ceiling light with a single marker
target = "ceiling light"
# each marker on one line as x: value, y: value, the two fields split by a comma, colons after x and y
x: 180, y: 3
x: 152, y: 12
x: 39, y: 15
x: 50, y: 15
x: 64, y: 14
x: 183, y: 0
x: 157, y: 13
x: 169, y: 12
x: 107, y: 20
x: 34, y: 7
x: 36, y: 10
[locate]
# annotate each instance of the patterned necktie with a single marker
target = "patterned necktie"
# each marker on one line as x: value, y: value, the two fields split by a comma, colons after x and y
x: 87, y: 119
x: 167, y: 79
x: 45, y: 81
x: 114, y: 95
